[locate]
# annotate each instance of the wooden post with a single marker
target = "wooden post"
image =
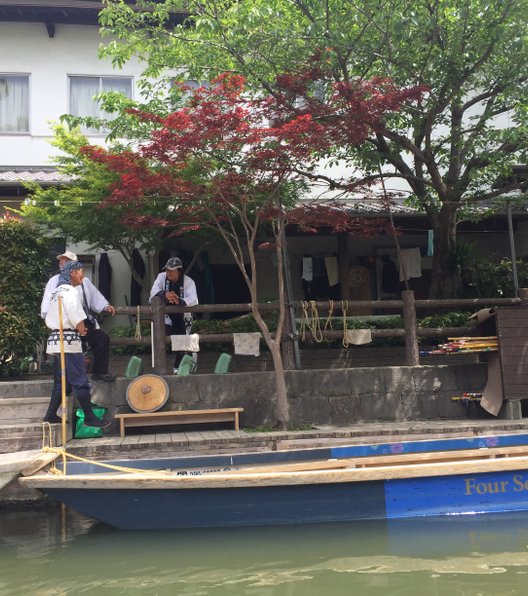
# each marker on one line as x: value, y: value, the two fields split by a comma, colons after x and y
x: 523, y: 294
x: 158, y: 340
x: 412, y: 353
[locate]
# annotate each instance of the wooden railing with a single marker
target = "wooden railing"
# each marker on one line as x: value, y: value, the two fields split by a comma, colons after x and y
x: 407, y: 306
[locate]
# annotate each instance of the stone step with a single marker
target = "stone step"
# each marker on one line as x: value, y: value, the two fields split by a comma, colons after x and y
x: 17, y: 389
x: 15, y: 409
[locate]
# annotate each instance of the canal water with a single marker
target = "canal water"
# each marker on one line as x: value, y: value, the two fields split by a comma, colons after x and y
x: 55, y: 551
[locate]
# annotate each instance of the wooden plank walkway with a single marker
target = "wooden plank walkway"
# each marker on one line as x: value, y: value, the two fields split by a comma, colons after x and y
x: 166, y: 444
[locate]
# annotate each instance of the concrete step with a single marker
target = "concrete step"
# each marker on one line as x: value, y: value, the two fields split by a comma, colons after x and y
x: 15, y: 409
x: 23, y: 437
x: 13, y: 389
x: 20, y: 427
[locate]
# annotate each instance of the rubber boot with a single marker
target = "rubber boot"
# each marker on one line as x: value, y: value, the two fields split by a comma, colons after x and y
x: 90, y: 419
x: 55, y: 402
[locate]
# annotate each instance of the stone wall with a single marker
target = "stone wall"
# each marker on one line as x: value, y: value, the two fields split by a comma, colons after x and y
x: 335, y: 396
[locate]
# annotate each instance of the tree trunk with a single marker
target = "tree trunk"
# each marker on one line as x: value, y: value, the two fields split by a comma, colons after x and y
x: 445, y: 281
x: 282, y: 408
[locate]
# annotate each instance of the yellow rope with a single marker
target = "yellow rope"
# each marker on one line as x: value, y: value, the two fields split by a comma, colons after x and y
x: 344, y: 308
x: 315, y: 325
x: 330, y: 313
x: 47, y: 438
x: 304, y: 320
x: 138, y: 336
x: 103, y: 465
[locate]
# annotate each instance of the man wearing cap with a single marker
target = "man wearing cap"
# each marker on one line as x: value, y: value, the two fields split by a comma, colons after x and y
x: 176, y: 288
x: 93, y: 302
x: 72, y: 316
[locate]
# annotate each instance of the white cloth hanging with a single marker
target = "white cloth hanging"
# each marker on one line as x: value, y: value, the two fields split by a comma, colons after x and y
x: 332, y: 270
x: 307, y: 269
x: 247, y: 344
x: 185, y: 343
x: 410, y: 263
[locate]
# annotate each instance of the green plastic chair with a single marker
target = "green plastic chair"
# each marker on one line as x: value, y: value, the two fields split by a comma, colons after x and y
x: 223, y: 364
x: 134, y: 367
x: 186, y: 366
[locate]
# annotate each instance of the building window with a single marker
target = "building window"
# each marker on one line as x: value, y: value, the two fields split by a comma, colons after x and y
x: 84, y: 89
x: 14, y: 103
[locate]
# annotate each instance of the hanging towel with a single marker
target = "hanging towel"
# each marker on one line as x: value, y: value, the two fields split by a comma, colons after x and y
x: 185, y: 343
x: 411, y: 263
x: 307, y: 269
x: 247, y: 344
x: 357, y: 337
x: 430, y: 243
x: 332, y: 270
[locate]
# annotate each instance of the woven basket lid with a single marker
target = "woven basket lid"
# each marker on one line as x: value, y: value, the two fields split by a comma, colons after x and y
x: 147, y: 393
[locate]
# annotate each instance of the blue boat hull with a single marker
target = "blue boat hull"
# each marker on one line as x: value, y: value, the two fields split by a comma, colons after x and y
x: 290, y: 503
x: 295, y: 504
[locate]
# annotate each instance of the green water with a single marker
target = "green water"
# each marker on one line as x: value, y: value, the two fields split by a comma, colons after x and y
x: 58, y: 552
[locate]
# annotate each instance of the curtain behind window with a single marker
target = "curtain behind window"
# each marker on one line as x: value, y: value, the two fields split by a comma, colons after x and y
x: 14, y: 103
x: 84, y: 89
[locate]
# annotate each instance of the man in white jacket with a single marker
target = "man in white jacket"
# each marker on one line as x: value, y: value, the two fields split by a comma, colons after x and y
x: 93, y: 302
x: 176, y: 288
x: 65, y: 307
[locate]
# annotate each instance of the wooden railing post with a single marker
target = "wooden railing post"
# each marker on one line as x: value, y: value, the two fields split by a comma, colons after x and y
x: 412, y: 353
x: 523, y: 294
x: 158, y: 331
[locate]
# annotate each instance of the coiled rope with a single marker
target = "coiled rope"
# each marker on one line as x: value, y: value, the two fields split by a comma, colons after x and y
x: 328, y: 323
x: 138, y: 337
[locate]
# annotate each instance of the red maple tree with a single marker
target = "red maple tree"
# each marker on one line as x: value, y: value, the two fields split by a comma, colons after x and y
x: 235, y: 164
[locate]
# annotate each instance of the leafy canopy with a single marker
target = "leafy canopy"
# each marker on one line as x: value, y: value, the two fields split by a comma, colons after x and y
x: 446, y: 152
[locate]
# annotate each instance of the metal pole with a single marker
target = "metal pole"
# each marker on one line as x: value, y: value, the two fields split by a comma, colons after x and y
x: 289, y: 300
x: 512, y: 250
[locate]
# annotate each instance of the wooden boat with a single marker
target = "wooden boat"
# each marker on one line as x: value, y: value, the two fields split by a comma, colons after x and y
x: 345, y: 483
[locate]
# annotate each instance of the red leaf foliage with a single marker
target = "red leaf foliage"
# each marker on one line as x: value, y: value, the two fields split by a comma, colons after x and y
x: 224, y: 156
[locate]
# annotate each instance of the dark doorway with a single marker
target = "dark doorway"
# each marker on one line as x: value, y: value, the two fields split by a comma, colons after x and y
x: 229, y: 287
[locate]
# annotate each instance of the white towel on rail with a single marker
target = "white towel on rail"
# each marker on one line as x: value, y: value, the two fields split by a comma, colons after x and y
x: 185, y: 343
x: 247, y: 344
x: 357, y: 337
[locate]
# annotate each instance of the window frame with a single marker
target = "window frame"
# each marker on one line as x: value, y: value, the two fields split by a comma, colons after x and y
x: 85, y: 130
x: 27, y: 132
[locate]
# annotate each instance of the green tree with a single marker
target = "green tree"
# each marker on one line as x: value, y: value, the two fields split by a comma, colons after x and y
x: 447, y: 152
x: 72, y: 211
x: 23, y: 261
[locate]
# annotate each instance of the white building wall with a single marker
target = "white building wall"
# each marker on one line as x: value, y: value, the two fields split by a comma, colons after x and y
x: 25, y: 48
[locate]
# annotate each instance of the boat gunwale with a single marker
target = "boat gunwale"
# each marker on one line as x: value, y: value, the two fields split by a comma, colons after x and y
x: 245, y: 479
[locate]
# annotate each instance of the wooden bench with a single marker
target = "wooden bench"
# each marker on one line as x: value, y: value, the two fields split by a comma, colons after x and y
x: 178, y: 417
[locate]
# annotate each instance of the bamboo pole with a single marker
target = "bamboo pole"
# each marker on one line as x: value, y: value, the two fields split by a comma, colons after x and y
x: 63, y: 383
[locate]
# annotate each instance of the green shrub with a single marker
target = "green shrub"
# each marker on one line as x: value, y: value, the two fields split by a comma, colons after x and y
x: 448, y: 319
x: 23, y: 261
